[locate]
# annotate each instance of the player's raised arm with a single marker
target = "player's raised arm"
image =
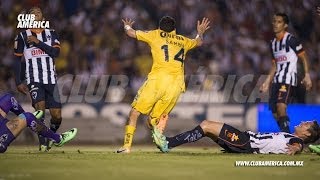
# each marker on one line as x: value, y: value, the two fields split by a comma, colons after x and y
x: 202, y: 27
x: 127, y: 24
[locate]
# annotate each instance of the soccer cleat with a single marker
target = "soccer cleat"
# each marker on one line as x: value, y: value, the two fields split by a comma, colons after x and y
x: 67, y: 136
x: 123, y: 150
x: 49, y: 145
x: 42, y: 143
x: 42, y: 148
x: 315, y: 148
x: 38, y: 114
x: 160, y: 140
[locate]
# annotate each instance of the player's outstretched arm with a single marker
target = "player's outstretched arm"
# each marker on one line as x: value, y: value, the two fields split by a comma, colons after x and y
x: 127, y: 24
x: 202, y: 27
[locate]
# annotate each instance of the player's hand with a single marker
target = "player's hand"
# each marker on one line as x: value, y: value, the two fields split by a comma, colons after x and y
x: 203, y: 26
x: 293, y: 149
x: 32, y: 39
x: 128, y: 22
x: 307, y: 81
x: 23, y: 89
x: 264, y: 87
x: 318, y: 10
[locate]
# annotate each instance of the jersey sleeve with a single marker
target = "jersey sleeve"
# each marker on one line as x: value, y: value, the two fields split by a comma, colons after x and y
x: 271, y: 51
x: 145, y: 36
x: 18, y: 45
x: 55, y: 39
x: 296, y: 45
x: 190, y: 43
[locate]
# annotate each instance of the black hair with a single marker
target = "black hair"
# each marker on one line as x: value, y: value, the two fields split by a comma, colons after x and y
x: 167, y: 24
x: 284, y: 17
x: 32, y: 8
x: 314, y: 131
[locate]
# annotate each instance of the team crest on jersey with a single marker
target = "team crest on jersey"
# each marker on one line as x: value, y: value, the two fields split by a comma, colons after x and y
x: 283, y: 88
x: 48, y: 37
x: 34, y: 95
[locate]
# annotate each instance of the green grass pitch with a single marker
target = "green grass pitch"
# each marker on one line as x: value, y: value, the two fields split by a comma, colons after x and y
x: 93, y: 163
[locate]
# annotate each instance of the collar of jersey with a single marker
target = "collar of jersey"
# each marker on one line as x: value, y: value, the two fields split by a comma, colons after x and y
x: 172, y: 32
x: 284, y: 34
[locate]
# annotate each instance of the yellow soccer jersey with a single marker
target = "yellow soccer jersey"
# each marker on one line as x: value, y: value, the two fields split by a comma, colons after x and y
x: 168, y: 51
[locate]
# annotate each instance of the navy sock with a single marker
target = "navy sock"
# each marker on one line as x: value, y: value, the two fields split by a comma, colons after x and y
x: 186, y: 137
x: 39, y: 127
x: 283, y: 123
x: 9, y: 103
x: 55, y: 124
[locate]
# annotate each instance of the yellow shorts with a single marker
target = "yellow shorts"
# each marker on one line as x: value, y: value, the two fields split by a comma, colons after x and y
x: 157, y: 96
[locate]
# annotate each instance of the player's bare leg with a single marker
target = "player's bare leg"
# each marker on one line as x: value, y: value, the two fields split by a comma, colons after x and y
x: 283, y: 119
x: 42, y: 141
x: 129, y: 131
x: 163, y: 122
x: 159, y: 123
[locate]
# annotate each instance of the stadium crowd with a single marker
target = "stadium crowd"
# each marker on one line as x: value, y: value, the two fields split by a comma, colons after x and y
x: 93, y: 41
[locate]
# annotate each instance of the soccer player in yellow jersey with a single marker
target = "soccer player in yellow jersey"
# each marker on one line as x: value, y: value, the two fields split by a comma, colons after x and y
x: 160, y: 92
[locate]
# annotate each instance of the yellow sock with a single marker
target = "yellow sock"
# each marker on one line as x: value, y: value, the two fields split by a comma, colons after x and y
x: 129, y: 131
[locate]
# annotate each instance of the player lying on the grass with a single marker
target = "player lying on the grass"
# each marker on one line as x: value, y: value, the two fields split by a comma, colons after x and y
x: 236, y: 141
x: 10, y: 129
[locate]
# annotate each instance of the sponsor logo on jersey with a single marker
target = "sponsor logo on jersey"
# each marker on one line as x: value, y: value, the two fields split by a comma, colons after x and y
x: 34, y: 95
x: 281, y: 58
x: 36, y: 52
x: 231, y: 136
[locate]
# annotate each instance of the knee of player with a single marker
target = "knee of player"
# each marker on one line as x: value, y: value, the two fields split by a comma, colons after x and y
x: 56, y: 116
x: 40, y: 106
x: 281, y: 108
x: 205, y: 125
x: 17, y: 124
